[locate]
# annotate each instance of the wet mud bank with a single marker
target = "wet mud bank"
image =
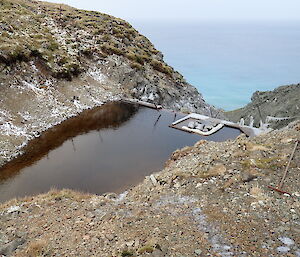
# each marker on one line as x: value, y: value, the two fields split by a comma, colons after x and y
x: 104, y: 149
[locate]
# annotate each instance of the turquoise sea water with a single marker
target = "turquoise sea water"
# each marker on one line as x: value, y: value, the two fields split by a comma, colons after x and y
x: 226, y: 61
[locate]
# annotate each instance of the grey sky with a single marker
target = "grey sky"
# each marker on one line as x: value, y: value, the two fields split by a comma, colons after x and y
x: 133, y: 10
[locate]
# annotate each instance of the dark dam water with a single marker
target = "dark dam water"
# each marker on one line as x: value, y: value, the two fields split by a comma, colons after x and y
x: 106, y: 149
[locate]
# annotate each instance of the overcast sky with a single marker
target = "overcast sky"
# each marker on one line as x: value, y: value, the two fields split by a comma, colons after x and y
x: 192, y: 10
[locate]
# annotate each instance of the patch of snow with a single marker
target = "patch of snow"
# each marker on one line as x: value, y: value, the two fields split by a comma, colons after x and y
x: 60, y: 35
x: 4, y: 153
x: 214, y: 236
x: 287, y: 241
x: 26, y: 116
x: 13, y: 208
x: 11, y: 130
x: 33, y: 86
x: 100, y: 213
x: 122, y: 196
x: 48, y: 83
x: 80, y: 106
x: 19, y: 147
x: 4, y: 115
x: 96, y: 102
x: 34, y: 67
x: 283, y: 249
x: 97, y: 75
x: 175, y: 200
x: 151, y: 96
x: 57, y: 108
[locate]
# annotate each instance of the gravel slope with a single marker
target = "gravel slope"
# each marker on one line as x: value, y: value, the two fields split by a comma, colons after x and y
x: 211, y: 199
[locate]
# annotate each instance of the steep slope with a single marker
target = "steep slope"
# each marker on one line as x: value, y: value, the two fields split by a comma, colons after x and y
x: 63, y: 42
x: 56, y: 61
x: 282, y: 102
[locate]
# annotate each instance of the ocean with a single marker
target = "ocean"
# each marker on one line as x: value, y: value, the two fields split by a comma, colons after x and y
x: 226, y: 61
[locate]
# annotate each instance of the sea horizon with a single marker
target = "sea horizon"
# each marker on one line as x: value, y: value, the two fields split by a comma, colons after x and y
x: 228, y: 61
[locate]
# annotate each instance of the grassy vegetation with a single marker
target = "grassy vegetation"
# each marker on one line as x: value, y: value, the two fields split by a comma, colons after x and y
x: 264, y: 163
x: 146, y: 249
x: 136, y: 66
x: 127, y: 253
x: 59, y: 35
x: 23, y: 36
x: 55, y: 194
x: 159, y: 66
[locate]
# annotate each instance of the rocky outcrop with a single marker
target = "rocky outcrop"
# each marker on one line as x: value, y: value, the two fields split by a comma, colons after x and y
x: 282, y: 105
x: 56, y: 61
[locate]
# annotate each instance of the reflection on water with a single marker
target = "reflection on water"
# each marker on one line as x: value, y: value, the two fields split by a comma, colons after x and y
x: 104, y: 149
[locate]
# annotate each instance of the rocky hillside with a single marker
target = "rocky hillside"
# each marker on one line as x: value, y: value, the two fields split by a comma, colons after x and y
x: 282, y: 103
x: 63, y: 42
x: 56, y: 61
x: 212, y: 199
